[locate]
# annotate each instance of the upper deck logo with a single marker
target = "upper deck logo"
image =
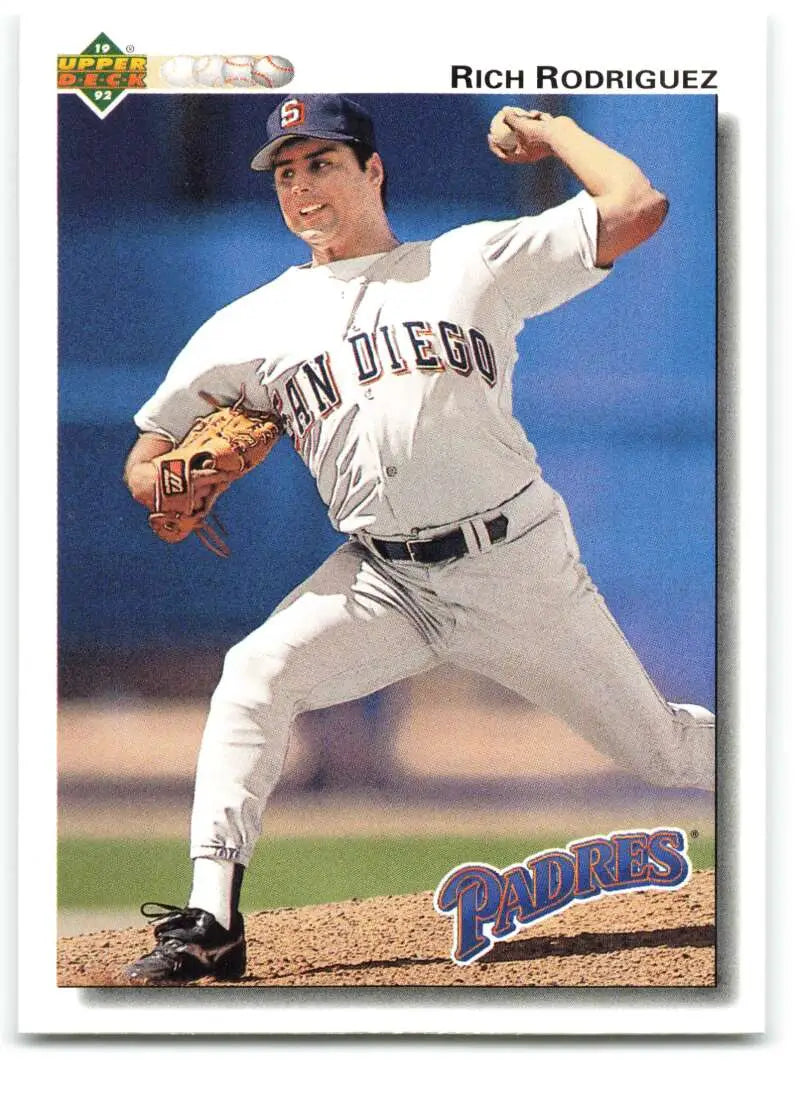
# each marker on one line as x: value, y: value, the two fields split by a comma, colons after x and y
x: 102, y: 73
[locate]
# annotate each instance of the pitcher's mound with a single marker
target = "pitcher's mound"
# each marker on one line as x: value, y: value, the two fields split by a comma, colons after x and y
x: 634, y: 939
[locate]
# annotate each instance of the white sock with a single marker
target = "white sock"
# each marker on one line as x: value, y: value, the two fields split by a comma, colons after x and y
x: 212, y: 888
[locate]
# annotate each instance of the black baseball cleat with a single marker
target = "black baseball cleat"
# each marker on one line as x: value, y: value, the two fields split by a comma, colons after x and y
x: 191, y: 944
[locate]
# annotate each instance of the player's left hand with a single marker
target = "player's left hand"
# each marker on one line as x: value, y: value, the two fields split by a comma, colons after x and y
x: 218, y: 449
x: 520, y: 136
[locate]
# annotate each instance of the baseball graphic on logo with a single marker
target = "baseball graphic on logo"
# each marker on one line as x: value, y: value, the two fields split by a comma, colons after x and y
x: 272, y: 71
x: 178, y: 71
x: 237, y: 72
x: 208, y: 71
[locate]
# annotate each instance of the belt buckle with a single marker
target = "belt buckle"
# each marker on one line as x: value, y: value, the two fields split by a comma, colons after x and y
x: 409, y: 545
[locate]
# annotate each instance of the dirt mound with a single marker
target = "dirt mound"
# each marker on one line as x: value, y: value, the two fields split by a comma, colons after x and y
x: 641, y: 939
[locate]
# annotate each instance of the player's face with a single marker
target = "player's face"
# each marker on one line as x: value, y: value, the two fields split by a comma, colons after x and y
x: 326, y: 198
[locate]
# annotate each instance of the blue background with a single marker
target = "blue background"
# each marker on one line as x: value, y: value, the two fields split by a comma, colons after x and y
x: 161, y: 222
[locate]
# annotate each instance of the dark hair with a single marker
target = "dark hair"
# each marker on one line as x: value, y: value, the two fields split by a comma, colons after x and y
x: 363, y: 152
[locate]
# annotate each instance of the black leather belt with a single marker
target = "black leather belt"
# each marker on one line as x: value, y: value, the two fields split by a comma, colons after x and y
x: 442, y: 548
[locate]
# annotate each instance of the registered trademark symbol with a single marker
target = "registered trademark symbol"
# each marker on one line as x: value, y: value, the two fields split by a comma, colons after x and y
x: 129, y: 49
x: 694, y: 834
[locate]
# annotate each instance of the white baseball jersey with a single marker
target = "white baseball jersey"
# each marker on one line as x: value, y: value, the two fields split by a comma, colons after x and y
x: 393, y: 371
x: 393, y: 374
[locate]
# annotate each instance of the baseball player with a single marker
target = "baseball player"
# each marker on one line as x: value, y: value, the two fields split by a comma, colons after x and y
x: 390, y: 365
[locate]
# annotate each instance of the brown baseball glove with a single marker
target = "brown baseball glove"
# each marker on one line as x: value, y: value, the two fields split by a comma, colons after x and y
x: 217, y: 450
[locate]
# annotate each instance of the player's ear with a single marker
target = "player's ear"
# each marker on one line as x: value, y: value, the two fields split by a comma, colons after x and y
x: 374, y: 170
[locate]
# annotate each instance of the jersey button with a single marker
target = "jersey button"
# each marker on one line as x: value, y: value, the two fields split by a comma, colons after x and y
x: 391, y: 471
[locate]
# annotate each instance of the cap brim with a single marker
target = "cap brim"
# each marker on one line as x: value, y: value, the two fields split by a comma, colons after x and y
x: 262, y: 160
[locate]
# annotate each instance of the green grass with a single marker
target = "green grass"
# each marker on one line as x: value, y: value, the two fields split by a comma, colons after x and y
x: 114, y: 873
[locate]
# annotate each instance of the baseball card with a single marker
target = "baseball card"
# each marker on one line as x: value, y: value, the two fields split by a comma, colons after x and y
x: 393, y: 671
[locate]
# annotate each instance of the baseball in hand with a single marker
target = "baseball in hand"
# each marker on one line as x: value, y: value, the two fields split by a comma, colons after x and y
x: 499, y: 132
x: 522, y: 141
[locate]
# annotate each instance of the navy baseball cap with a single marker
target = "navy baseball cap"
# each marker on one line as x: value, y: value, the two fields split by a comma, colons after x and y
x: 327, y: 117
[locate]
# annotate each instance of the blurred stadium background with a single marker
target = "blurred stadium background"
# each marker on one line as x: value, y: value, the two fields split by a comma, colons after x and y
x: 161, y: 223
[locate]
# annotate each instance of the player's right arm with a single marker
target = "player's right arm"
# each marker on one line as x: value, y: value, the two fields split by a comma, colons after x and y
x: 630, y: 209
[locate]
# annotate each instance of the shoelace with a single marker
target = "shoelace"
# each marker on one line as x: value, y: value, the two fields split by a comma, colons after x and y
x: 164, y: 909
x: 167, y: 915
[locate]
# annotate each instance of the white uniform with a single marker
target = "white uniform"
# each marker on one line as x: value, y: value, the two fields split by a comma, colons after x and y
x: 393, y: 374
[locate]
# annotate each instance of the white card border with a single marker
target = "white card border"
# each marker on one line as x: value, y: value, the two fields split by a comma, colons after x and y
x: 45, y: 1008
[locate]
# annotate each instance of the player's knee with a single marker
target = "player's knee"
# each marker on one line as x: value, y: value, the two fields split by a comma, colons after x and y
x: 240, y: 662
x: 257, y: 673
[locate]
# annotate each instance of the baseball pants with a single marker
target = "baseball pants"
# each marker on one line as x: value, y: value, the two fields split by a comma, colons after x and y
x: 523, y: 612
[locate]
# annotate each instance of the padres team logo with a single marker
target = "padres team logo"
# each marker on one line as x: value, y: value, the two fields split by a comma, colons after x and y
x: 489, y: 905
x: 102, y: 73
x: 293, y: 112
